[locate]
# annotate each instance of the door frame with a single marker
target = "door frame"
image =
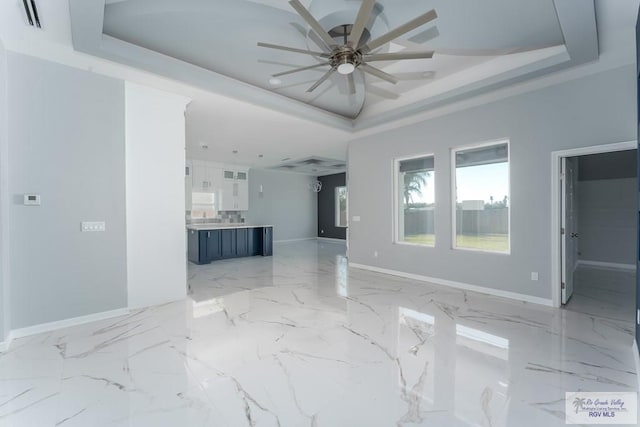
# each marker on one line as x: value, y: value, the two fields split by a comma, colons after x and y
x: 556, y: 206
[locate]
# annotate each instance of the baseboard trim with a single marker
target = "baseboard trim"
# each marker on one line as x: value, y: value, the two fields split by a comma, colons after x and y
x: 612, y: 265
x: 636, y: 357
x: 331, y: 240
x: 74, y: 321
x: 294, y: 240
x: 4, y: 345
x: 459, y: 285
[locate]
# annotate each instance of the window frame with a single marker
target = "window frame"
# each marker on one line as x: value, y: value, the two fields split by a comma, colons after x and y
x: 396, y: 207
x: 454, y: 194
x: 336, y: 201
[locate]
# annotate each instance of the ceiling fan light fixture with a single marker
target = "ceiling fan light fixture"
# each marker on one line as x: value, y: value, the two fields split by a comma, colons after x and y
x: 346, y: 68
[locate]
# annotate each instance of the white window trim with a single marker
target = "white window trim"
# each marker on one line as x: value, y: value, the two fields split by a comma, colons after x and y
x: 336, y: 213
x: 395, y: 207
x: 454, y: 193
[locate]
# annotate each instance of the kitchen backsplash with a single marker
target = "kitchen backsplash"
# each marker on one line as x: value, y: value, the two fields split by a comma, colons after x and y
x: 224, y: 217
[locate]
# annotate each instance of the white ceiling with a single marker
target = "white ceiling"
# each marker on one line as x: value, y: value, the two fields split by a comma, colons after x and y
x: 222, y: 36
x: 229, y: 115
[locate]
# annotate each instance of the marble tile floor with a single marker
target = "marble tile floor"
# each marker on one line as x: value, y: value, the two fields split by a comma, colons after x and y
x: 299, y: 339
x: 605, y: 293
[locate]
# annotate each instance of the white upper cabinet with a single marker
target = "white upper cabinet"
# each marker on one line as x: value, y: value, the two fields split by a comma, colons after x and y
x: 230, y: 184
x: 235, y: 189
x: 206, y: 177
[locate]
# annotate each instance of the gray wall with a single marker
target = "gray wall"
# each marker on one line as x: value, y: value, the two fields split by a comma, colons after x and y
x: 4, y: 200
x: 286, y: 202
x: 592, y: 110
x: 66, y: 143
x: 607, y: 220
x: 327, y: 206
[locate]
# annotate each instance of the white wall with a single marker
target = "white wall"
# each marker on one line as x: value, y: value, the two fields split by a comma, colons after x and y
x: 286, y: 202
x: 155, y: 152
x: 607, y: 220
x: 66, y: 143
x: 4, y: 201
x: 592, y: 110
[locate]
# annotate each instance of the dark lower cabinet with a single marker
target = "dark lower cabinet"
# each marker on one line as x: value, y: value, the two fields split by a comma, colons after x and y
x: 255, y: 241
x: 205, y: 246
x: 242, y: 242
x: 214, y: 248
x: 267, y: 241
x: 228, y: 243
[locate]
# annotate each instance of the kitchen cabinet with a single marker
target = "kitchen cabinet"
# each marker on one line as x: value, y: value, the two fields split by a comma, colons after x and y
x: 235, y: 190
x: 267, y: 241
x: 205, y: 177
x: 205, y: 246
x: 254, y: 241
x: 213, y: 245
x: 228, y: 243
x: 242, y: 247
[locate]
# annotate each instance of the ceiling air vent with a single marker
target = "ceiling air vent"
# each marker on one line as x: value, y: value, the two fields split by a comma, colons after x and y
x: 32, y: 13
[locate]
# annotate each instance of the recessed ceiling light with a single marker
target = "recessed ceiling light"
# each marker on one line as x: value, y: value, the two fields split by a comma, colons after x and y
x: 274, y: 81
x: 204, y: 145
x: 235, y: 151
x: 260, y: 155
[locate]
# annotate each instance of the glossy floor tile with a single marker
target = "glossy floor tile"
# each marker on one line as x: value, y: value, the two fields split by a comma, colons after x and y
x: 605, y: 293
x: 299, y: 339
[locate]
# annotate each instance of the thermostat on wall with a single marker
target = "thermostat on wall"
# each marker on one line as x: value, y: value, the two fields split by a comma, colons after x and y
x: 32, y: 199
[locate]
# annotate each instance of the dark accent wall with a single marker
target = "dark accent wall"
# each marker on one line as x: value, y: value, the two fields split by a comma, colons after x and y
x: 616, y: 165
x: 638, y: 151
x: 327, y: 208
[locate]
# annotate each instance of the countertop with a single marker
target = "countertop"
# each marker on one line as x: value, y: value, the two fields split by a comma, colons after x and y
x: 213, y: 226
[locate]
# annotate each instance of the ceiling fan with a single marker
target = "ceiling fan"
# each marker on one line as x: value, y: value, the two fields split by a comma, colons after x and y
x: 344, y: 58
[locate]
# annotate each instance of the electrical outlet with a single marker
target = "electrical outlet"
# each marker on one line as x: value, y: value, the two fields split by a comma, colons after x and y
x: 88, y: 226
x: 375, y: 254
x: 321, y: 231
x: 534, y: 276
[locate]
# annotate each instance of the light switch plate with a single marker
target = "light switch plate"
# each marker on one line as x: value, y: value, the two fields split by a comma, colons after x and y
x: 31, y: 200
x: 356, y: 218
x: 89, y: 226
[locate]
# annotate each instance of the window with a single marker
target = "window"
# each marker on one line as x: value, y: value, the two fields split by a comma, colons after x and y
x: 481, y: 185
x: 415, y: 201
x: 341, y: 206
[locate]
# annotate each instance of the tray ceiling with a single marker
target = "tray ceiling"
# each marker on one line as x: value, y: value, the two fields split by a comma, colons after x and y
x: 212, y: 44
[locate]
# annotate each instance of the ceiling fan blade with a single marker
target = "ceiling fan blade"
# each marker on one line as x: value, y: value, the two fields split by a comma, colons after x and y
x: 293, y: 49
x: 378, y: 73
x: 403, y: 29
x: 322, y: 79
x: 398, y: 55
x: 297, y: 70
x: 352, y: 84
x: 361, y: 20
x: 313, y: 23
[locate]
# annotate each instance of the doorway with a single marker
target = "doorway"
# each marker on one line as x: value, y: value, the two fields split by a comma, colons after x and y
x: 572, y: 249
x: 594, y: 228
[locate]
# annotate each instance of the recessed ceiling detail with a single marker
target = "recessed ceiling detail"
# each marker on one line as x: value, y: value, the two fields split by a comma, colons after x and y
x: 346, y: 49
x: 316, y: 166
x: 213, y: 44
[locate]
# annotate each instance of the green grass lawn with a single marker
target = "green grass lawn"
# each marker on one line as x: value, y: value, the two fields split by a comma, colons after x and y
x: 489, y: 242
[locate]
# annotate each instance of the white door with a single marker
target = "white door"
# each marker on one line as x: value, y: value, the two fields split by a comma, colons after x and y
x: 569, y: 253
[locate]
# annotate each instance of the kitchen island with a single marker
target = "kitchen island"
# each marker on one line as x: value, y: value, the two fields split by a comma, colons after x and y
x: 211, y: 242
